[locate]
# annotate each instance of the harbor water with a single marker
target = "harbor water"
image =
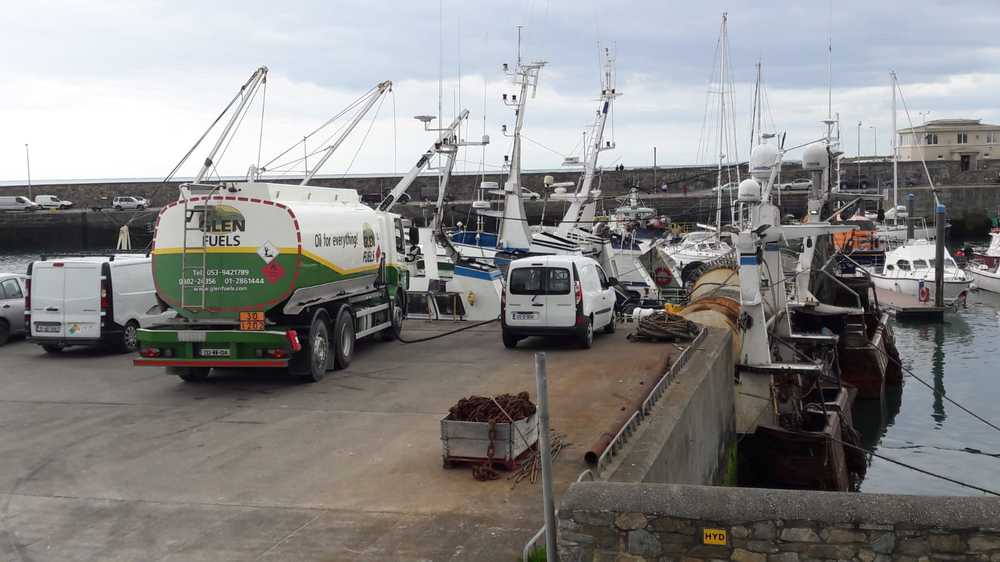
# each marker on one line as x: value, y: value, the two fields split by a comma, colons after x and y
x: 915, y: 425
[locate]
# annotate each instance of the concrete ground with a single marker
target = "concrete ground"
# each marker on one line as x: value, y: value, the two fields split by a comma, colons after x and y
x: 103, y: 461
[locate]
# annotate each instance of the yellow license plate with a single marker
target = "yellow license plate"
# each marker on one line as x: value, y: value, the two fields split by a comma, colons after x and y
x: 252, y: 321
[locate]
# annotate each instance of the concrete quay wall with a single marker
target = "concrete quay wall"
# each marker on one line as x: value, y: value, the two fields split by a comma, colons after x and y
x: 691, y: 430
x: 604, y: 521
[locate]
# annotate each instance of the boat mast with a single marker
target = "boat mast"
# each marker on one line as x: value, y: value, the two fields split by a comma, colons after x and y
x: 722, y: 121
x: 581, y: 202
x: 895, y: 174
x: 514, y: 233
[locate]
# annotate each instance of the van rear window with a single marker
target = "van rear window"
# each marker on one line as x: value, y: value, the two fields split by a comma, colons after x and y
x: 540, y: 281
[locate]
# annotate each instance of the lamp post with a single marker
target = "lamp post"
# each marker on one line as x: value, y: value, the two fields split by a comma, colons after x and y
x: 27, y: 159
x: 875, y: 130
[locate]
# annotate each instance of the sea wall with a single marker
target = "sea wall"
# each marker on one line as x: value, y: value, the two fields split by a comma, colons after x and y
x: 689, y: 435
x: 602, y: 521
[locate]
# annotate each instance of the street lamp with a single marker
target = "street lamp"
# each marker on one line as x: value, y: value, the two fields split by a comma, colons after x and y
x: 875, y: 130
x: 27, y: 159
x: 923, y: 115
x: 859, y: 139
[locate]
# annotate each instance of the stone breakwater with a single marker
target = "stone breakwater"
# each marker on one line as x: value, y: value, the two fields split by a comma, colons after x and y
x: 601, y: 521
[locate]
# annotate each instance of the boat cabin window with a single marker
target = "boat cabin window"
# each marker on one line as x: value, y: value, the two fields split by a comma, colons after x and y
x: 921, y: 264
x: 890, y: 268
x: 903, y: 265
x: 539, y: 281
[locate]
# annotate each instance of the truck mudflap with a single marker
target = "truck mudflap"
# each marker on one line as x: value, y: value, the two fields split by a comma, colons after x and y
x: 216, y: 348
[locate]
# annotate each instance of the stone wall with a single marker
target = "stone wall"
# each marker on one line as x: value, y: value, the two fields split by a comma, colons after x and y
x: 601, y: 521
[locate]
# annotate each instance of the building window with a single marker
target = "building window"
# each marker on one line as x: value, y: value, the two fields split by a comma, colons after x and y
x: 963, y: 138
x: 931, y: 138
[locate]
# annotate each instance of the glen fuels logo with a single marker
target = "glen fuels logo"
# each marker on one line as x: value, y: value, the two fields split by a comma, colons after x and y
x: 368, y: 239
x: 220, y: 223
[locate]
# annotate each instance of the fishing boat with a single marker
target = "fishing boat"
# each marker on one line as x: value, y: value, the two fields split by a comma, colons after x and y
x: 909, y: 269
x: 986, y: 278
x: 990, y: 255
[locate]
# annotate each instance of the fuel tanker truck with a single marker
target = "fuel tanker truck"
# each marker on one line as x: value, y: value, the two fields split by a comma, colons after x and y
x: 272, y: 275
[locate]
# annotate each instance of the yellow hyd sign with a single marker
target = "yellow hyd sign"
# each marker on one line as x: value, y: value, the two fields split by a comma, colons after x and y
x: 714, y: 536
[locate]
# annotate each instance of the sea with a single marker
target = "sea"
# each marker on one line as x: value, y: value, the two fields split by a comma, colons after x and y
x: 914, y: 424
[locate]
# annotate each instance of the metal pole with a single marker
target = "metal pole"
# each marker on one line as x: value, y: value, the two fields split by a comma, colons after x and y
x: 939, y: 256
x: 543, y: 446
x: 654, y: 167
x: 909, y: 216
x: 27, y: 158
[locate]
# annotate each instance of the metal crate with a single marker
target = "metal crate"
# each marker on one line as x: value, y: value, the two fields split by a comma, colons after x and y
x: 463, y: 441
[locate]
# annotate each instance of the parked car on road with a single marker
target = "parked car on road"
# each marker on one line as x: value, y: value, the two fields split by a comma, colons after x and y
x: 557, y: 295
x: 17, y: 203
x: 94, y: 300
x: 855, y: 183
x: 13, y: 288
x: 52, y: 202
x: 800, y: 184
x: 129, y: 202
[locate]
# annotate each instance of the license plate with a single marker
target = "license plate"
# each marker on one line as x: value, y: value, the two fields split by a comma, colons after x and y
x: 522, y: 315
x: 48, y: 328
x: 214, y: 352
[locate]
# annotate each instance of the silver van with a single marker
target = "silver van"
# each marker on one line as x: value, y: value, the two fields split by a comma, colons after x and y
x: 16, y: 203
x: 13, y: 289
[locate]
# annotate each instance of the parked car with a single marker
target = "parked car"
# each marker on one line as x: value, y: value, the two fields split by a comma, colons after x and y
x: 99, y: 300
x: 800, y: 184
x: 129, y: 202
x: 855, y: 183
x: 553, y: 295
x: 13, y: 288
x: 52, y: 202
x: 17, y: 203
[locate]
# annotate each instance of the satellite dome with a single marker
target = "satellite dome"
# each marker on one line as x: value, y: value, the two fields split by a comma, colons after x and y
x: 762, y: 161
x: 815, y: 157
x: 749, y: 191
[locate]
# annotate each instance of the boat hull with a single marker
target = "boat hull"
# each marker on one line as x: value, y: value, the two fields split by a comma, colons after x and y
x: 985, y: 280
x: 953, y: 289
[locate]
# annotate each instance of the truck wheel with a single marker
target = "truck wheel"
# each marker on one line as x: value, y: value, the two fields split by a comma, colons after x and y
x: 130, y: 337
x: 190, y: 374
x: 510, y: 340
x: 587, y: 334
x: 343, y: 334
x: 319, y: 348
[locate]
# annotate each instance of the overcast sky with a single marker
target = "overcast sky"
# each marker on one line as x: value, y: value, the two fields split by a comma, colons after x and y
x: 115, y: 89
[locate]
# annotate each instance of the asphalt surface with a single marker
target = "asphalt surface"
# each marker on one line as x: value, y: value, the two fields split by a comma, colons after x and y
x: 100, y: 460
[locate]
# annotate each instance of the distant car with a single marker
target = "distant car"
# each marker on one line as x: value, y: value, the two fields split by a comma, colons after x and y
x: 52, y: 202
x: 855, y: 183
x: 129, y: 202
x: 530, y: 195
x: 17, y: 203
x: 13, y: 288
x: 800, y: 184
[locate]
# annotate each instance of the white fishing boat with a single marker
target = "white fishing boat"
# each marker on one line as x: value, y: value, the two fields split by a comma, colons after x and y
x: 985, y: 277
x: 909, y: 269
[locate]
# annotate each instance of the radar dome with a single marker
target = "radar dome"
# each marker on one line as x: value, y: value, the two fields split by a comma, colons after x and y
x: 762, y: 161
x: 749, y: 191
x: 815, y: 157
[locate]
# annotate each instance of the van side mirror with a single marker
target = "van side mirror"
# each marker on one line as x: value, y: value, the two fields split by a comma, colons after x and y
x: 612, y: 281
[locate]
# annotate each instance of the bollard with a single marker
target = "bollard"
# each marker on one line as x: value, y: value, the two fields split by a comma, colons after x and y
x: 939, y: 256
x: 546, y: 454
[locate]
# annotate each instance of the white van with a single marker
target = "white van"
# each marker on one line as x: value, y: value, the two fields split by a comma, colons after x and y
x: 16, y: 203
x: 100, y: 300
x: 551, y: 295
x: 52, y: 202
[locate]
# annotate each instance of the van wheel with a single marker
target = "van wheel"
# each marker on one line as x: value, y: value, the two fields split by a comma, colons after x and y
x: 587, y: 335
x: 191, y: 374
x: 52, y: 348
x: 130, y: 337
x: 610, y: 328
x: 319, y: 348
x: 510, y: 340
x: 4, y: 332
x: 344, y: 337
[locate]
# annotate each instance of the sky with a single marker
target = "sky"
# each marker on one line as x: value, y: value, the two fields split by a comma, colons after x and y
x: 122, y: 89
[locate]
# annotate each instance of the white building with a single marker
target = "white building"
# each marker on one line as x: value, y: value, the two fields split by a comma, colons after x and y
x: 965, y: 140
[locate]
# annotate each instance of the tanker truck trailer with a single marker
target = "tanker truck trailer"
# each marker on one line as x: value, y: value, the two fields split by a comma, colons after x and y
x: 272, y: 275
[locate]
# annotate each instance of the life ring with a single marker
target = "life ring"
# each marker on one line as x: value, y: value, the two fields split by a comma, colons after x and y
x: 663, y: 277
x: 924, y: 294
